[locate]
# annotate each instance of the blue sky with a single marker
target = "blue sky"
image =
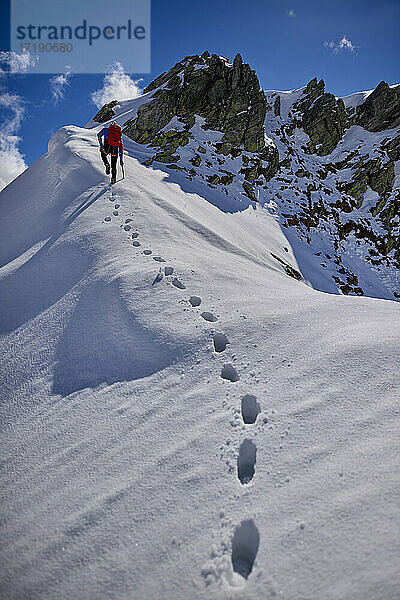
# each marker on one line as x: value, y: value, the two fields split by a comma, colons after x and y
x: 287, y: 44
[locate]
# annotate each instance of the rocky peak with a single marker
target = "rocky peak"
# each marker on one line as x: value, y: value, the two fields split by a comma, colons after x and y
x: 228, y: 97
x: 323, y: 117
x: 237, y: 62
x: 106, y: 112
x: 325, y: 123
x: 313, y: 90
x: 381, y: 109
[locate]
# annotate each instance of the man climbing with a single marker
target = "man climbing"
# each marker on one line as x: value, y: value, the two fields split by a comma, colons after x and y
x: 110, y: 143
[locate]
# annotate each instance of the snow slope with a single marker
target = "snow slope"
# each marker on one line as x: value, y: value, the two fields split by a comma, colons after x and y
x: 178, y: 413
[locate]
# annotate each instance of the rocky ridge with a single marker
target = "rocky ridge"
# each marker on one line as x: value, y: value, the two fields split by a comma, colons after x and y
x: 327, y: 167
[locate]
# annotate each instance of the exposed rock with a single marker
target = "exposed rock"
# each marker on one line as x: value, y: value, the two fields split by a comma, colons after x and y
x: 168, y: 142
x: 249, y: 191
x: 213, y: 179
x: 380, y: 179
x: 381, y: 109
x: 313, y: 90
x: 265, y: 164
x: 106, y: 112
x: 277, y: 106
x: 325, y: 123
x: 302, y: 173
x: 288, y: 268
x: 393, y: 148
x: 228, y: 97
x: 371, y: 173
x: 323, y: 118
x: 196, y: 160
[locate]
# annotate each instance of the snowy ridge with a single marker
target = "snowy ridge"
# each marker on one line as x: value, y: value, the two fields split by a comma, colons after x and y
x: 342, y: 244
x: 181, y: 418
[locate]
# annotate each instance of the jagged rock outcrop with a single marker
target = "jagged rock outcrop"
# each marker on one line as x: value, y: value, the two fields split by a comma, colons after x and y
x: 375, y: 175
x: 277, y: 106
x: 323, y: 118
x: 228, y: 97
x: 314, y: 89
x: 325, y: 123
x: 392, y: 148
x: 106, y: 112
x: 381, y: 109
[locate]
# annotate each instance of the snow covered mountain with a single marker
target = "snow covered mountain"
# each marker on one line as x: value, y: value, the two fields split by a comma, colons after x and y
x: 328, y: 168
x: 186, y: 412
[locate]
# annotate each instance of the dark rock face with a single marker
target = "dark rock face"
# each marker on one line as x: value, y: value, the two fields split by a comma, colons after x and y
x: 314, y: 89
x: 228, y: 97
x: 106, y: 112
x: 371, y: 173
x: 393, y: 148
x: 381, y: 110
x: 277, y: 106
x: 325, y: 123
x: 323, y: 118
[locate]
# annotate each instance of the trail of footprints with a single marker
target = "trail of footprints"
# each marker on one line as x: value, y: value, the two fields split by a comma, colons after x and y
x: 246, y: 539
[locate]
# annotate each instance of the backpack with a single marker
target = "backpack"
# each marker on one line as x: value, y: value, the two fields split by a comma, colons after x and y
x: 114, y: 135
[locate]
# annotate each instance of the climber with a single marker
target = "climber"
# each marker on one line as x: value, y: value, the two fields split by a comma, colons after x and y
x: 110, y: 143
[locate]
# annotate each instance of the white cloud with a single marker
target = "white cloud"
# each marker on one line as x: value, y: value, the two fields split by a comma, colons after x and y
x: 340, y: 46
x: 58, y: 83
x: 117, y: 85
x: 16, y: 63
x: 12, y: 161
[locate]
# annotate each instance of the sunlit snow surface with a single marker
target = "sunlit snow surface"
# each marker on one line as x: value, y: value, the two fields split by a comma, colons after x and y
x: 181, y: 419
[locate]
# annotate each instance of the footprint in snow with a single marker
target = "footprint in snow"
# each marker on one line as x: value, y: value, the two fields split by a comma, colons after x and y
x: 128, y: 220
x: 246, y: 461
x: 127, y: 227
x: 229, y: 372
x: 135, y: 235
x: 250, y: 409
x: 158, y: 259
x: 169, y: 270
x: 220, y: 342
x: 147, y: 252
x: 107, y: 219
x: 245, y: 543
x: 195, y: 300
x: 116, y: 206
x: 207, y: 316
x: 136, y: 243
x: 115, y: 213
x: 178, y: 284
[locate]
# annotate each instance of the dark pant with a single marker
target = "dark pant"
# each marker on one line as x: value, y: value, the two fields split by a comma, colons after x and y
x: 113, y: 151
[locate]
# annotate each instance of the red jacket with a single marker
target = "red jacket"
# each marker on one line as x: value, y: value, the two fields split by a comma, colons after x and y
x: 104, y: 133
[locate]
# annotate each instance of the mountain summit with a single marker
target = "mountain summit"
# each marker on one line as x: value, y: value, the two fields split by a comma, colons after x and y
x: 324, y: 165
